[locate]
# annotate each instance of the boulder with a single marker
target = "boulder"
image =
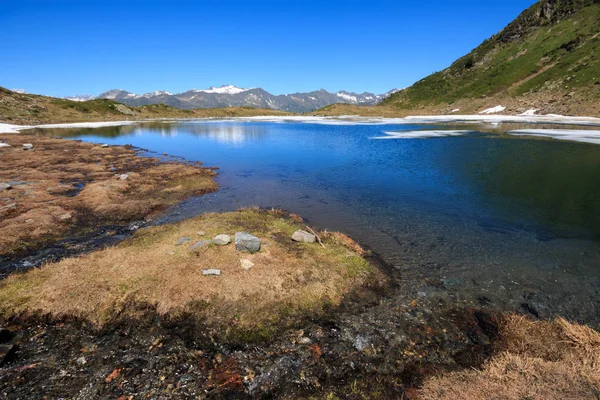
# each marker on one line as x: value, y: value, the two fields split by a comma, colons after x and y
x: 246, y: 242
x: 222, y: 240
x: 246, y: 264
x: 303, y: 236
x: 183, y: 240
x: 200, y: 244
x: 216, y: 272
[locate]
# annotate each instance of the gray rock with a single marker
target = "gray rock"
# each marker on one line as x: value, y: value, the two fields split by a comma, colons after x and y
x: 211, y: 272
x: 183, y: 240
x: 222, y: 240
x: 200, y: 244
x: 17, y: 183
x: 246, y: 242
x: 8, y: 207
x: 5, y: 186
x: 246, y: 264
x: 303, y: 236
x: 200, y: 233
x: 27, y: 146
x: 123, y: 177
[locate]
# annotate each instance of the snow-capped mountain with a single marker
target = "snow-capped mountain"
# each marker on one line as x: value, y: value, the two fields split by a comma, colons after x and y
x: 80, y: 97
x: 232, y: 96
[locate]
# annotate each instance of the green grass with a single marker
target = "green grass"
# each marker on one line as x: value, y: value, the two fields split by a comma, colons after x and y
x: 560, y: 53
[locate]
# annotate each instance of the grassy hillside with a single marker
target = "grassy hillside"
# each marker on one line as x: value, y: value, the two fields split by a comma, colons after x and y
x: 29, y: 109
x: 548, y: 58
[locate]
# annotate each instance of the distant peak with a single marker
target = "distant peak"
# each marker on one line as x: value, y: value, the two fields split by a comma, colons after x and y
x: 225, y: 89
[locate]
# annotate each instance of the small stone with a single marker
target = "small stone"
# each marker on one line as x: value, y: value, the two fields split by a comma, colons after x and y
x: 104, y: 146
x: 303, y: 236
x: 5, y: 186
x: 246, y: 264
x: 9, y: 207
x: 123, y: 177
x: 200, y: 244
x: 28, y: 221
x: 246, y: 242
x: 81, y: 360
x: 65, y: 217
x: 216, y: 272
x: 304, y: 340
x: 170, y: 252
x: 200, y: 233
x: 183, y: 240
x: 27, y: 146
x: 222, y: 240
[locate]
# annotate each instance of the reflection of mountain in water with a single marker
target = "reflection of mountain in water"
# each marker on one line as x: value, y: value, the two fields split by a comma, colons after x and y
x: 232, y: 134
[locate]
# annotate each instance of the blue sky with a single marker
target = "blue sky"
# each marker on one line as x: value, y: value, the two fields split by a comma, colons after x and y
x: 62, y: 48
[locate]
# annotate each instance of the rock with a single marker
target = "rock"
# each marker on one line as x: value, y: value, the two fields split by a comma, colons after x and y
x: 5, y: 145
x: 170, y: 252
x: 246, y: 264
x: 200, y: 233
x: 183, y: 240
x: 65, y: 217
x: 7, y: 353
x: 216, y: 272
x: 27, y: 146
x: 8, y: 207
x: 29, y: 221
x: 304, y: 340
x: 200, y: 244
x: 104, y: 146
x: 5, y: 186
x: 246, y: 242
x: 17, y: 183
x: 222, y: 240
x: 303, y: 236
x: 123, y: 177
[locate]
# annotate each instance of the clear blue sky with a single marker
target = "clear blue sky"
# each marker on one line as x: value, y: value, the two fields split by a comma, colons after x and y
x: 60, y: 48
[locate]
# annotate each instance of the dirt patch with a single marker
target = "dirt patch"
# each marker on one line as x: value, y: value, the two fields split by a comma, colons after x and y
x: 62, y: 187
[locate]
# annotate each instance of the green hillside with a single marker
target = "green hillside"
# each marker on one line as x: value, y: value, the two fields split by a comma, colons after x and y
x: 549, y: 54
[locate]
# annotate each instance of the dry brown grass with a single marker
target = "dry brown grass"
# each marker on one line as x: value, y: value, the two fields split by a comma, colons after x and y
x: 541, y: 360
x: 288, y: 279
x: 47, y: 207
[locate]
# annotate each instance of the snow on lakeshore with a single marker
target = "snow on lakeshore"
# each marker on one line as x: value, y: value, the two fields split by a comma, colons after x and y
x: 585, y: 136
x: 493, y: 110
x: 421, y: 134
x: 9, y: 128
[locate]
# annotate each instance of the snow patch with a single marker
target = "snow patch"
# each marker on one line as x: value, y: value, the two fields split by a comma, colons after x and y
x: 225, y: 89
x: 455, y: 110
x: 529, y: 112
x: 575, y: 135
x: 493, y: 110
x: 9, y: 128
x: 421, y: 134
x: 347, y: 97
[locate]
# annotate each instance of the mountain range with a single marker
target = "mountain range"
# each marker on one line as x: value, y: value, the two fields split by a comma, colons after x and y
x: 232, y: 96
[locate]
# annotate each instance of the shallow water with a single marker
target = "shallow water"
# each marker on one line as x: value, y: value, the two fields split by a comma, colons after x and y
x: 507, y: 221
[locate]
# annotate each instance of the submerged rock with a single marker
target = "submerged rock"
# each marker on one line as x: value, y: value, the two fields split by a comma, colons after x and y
x: 216, y: 272
x: 303, y: 236
x: 222, y: 240
x: 246, y: 242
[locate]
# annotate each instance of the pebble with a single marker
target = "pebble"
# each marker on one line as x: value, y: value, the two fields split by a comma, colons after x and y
x: 246, y: 242
x: 183, y: 240
x: 303, y: 236
x: 216, y: 272
x: 123, y: 177
x: 200, y: 233
x: 222, y: 240
x: 27, y: 146
x: 246, y: 264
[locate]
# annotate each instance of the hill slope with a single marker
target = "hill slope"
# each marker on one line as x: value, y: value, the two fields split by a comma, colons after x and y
x: 29, y: 109
x: 548, y: 58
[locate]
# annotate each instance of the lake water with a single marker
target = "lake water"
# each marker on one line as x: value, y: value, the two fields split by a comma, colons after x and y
x: 482, y: 218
